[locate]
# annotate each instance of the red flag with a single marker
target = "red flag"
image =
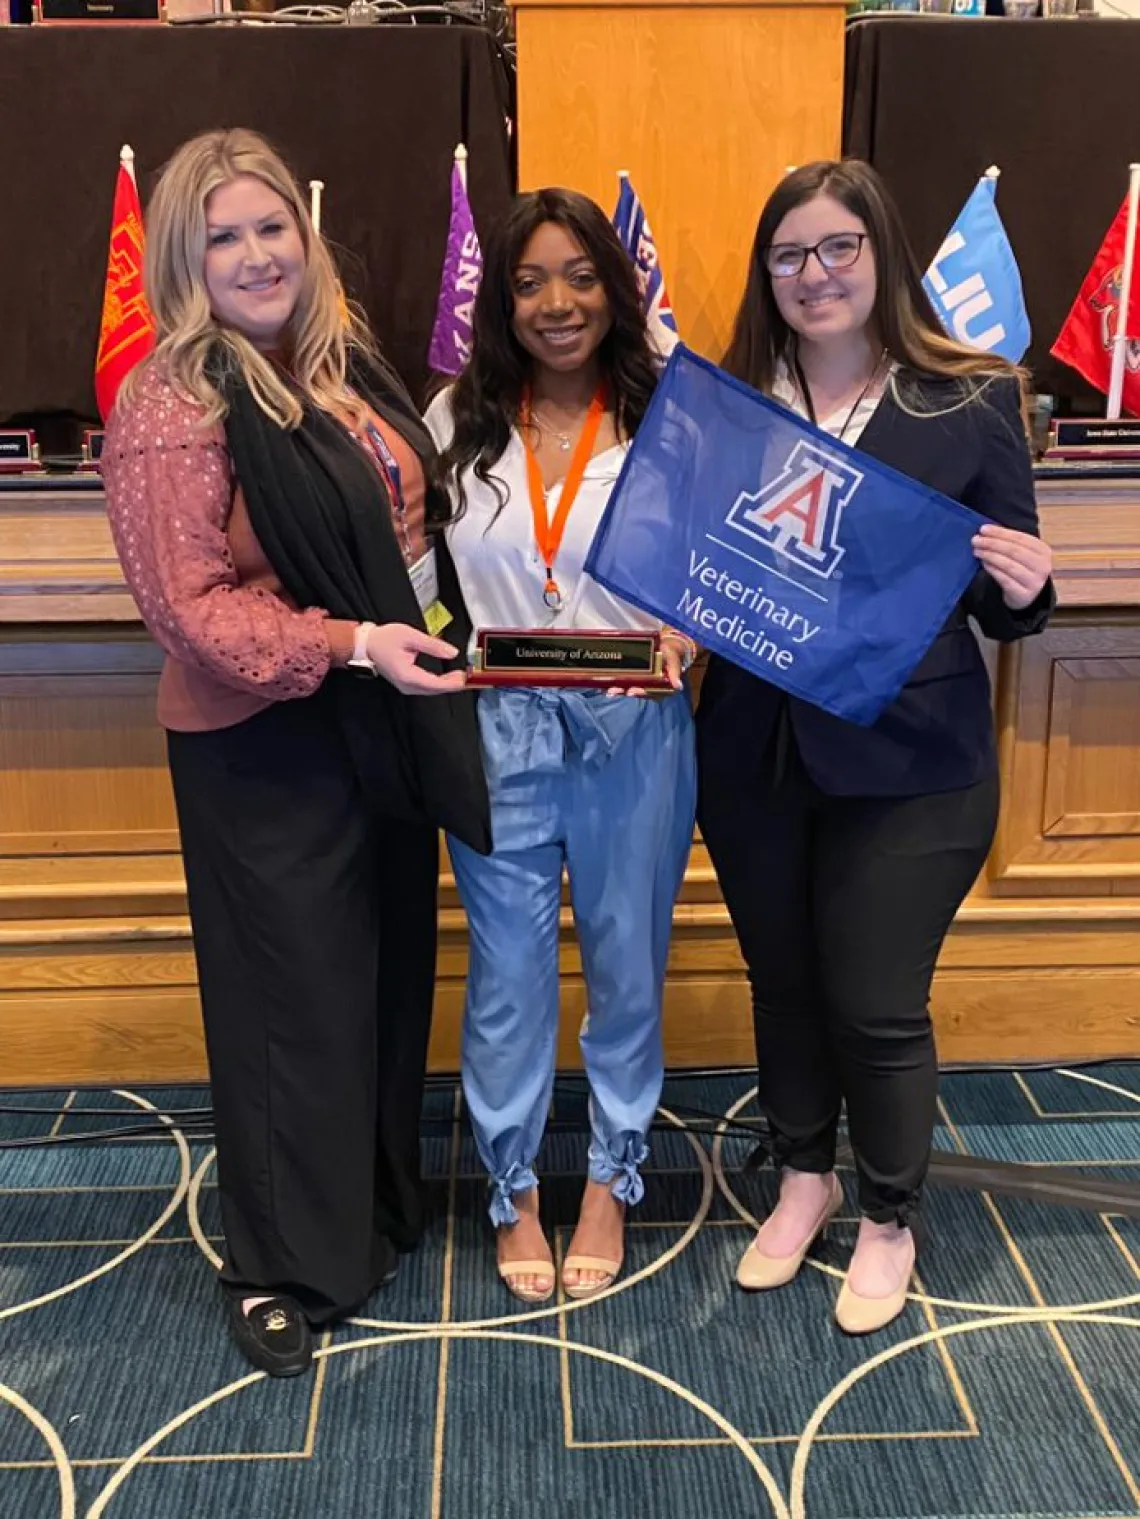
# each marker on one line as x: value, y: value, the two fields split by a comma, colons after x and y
x: 1085, y: 341
x: 127, y: 331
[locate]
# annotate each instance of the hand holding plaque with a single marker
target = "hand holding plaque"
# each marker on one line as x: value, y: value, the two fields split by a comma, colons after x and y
x: 571, y: 657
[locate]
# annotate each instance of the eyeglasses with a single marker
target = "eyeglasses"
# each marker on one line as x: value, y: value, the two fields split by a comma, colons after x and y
x: 839, y: 251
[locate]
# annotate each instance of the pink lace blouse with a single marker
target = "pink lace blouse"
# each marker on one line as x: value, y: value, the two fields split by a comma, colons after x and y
x: 235, y: 641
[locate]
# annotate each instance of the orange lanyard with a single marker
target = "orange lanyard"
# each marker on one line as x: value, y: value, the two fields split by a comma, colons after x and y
x: 547, y: 533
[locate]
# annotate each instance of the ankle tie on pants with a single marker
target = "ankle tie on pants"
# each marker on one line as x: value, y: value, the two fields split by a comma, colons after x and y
x: 518, y: 1178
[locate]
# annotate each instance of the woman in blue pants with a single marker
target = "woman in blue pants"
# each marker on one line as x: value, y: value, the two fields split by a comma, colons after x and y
x: 533, y: 435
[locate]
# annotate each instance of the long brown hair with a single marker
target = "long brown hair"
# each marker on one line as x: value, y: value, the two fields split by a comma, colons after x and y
x: 322, y: 331
x: 905, y: 321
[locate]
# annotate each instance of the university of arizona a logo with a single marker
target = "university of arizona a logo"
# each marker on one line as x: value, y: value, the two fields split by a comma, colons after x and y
x: 798, y: 513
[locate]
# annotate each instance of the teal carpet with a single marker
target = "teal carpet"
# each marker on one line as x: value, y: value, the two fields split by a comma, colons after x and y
x: 1010, y: 1387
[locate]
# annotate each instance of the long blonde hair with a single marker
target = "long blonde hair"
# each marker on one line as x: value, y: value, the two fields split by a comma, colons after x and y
x: 903, y: 317
x: 321, y: 331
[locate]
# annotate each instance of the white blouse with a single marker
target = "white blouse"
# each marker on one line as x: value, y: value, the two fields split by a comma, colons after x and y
x: 500, y: 570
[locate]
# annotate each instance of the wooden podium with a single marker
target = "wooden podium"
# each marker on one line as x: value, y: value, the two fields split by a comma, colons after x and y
x: 706, y: 103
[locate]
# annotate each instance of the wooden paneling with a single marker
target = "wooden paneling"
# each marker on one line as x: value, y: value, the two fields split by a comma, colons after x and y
x: 705, y: 105
x: 1070, y: 707
x: 97, y: 979
x: 114, y: 1000
x: 1093, y: 527
x: 58, y: 561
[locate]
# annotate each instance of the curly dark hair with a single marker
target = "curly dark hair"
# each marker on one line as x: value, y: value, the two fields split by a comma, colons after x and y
x: 487, y: 396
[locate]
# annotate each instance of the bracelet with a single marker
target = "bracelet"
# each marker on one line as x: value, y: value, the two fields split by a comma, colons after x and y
x: 691, y: 650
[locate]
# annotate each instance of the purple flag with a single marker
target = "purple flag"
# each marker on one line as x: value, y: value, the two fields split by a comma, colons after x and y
x: 462, y: 270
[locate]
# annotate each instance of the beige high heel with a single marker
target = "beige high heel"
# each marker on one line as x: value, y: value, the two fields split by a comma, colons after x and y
x: 758, y: 1272
x: 856, y: 1314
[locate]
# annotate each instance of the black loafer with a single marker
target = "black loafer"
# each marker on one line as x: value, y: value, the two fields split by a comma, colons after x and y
x: 275, y: 1336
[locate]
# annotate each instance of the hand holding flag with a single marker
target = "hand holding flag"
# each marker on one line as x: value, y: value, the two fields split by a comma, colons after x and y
x: 804, y: 561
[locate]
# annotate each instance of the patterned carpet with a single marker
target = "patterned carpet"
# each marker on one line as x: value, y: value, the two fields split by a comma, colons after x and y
x: 1010, y: 1387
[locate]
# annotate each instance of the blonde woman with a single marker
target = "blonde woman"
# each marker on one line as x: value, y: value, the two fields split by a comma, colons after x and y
x: 273, y: 499
x: 844, y: 852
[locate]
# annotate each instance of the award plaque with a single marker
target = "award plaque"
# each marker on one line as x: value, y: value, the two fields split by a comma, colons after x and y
x: 570, y: 657
x: 19, y: 452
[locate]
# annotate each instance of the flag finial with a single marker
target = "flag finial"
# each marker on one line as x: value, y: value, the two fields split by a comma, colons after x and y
x: 993, y: 172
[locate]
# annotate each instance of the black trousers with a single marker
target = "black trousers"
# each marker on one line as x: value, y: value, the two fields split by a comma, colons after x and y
x: 841, y: 905
x: 314, y: 922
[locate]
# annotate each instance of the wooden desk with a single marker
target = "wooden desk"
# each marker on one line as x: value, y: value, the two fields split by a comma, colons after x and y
x: 96, y: 965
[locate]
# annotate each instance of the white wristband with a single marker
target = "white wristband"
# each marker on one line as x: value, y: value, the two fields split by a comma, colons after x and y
x: 360, y: 658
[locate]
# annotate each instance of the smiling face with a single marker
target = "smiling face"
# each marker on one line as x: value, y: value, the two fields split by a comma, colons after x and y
x: 823, y: 304
x: 255, y: 260
x: 561, y: 313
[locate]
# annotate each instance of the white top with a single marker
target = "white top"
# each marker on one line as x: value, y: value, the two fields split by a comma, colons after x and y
x: 500, y: 570
x: 787, y: 393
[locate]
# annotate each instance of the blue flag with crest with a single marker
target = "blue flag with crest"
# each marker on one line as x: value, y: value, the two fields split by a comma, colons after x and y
x: 974, y: 282
x: 799, y: 558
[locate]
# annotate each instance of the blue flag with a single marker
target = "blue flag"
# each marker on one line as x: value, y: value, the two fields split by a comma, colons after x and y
x: 974, y: 281
x: 795, y: 556
x: 638, y: 241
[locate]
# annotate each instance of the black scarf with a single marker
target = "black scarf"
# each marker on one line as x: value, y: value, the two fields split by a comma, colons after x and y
x: 321, y: 513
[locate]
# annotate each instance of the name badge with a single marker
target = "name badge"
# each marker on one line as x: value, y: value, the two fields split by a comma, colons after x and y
x: 424, y: 576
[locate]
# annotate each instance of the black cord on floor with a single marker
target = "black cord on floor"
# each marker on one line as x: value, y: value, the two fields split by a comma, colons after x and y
x: 197, y: 1122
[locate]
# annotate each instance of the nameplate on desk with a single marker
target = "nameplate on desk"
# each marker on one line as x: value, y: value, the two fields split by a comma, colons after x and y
x: 1095, y: 437
x: 72, y: 11
x: 19, y: 451
x: 92, y: 448
x: 542, y: 657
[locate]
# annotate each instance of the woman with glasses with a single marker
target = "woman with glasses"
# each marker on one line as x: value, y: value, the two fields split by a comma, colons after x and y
x: 844, y: 852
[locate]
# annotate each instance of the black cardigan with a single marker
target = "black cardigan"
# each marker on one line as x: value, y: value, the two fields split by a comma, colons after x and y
x: 321, y: 514
x: 938, y: 735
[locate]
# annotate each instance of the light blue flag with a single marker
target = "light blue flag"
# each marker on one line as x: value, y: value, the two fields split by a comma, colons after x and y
x: 805, y: 561
x: 974, y: 281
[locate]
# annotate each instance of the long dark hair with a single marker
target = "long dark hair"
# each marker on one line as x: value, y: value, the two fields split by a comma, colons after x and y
x: 904, y: 319
x: 486, y: 398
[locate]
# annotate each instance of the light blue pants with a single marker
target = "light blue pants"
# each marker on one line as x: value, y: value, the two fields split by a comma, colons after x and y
x: 604, y: 786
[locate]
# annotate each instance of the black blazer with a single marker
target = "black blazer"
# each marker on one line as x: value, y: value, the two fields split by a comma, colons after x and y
x: 938, y: 735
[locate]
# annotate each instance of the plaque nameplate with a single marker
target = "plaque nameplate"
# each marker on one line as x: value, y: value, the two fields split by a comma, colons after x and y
x: 19, y: 452
x: 92, y: 448
x: 73, y: 11
x: 544, y: 657
x: 1089, y: 437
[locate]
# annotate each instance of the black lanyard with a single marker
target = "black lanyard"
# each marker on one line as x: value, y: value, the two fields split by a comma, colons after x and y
x: 801, y: 382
